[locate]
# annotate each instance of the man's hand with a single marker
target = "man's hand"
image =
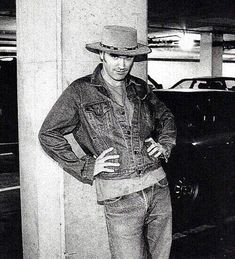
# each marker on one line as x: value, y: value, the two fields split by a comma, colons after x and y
x: 155, y: 149
x: 102, y: 163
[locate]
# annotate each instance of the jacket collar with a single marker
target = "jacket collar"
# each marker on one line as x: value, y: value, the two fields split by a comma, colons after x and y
x: 99, y: 82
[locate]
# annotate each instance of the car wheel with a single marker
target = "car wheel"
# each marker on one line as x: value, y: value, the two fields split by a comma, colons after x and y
x: 184, y: 189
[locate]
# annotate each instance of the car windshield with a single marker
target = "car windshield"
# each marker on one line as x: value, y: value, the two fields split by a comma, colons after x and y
x: 186, y: 84
x: 216, y: 84
x: 200, y: 84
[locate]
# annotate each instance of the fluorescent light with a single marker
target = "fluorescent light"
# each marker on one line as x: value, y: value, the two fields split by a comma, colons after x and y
x: 6, y: 59
x: 186, y: 42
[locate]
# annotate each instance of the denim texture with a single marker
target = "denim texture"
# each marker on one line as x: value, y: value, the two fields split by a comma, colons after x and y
x: 85, y: 109
x: 140, y: 224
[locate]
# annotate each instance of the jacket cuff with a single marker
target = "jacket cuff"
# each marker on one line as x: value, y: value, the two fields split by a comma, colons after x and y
x: 88, y: 169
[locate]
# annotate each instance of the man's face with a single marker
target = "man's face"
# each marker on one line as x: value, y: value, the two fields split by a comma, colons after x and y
x: 115, y: 67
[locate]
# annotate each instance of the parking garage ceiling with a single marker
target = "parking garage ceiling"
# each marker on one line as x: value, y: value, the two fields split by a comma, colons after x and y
x: 196, y: 15
x: 7, y: 28
x: 170, y: 20
x: 164, y: 17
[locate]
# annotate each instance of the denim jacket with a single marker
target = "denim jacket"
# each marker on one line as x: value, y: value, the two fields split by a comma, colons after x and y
x: 85, y: 109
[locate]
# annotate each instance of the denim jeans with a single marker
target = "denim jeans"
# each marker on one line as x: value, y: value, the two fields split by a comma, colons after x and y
x: 140, y: 224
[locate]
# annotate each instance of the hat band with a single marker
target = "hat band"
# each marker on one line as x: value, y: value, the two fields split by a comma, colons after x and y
x: 115, y: 48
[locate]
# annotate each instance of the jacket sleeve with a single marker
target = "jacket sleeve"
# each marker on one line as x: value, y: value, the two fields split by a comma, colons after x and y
x: 62, y: 119
x: 165, y: 130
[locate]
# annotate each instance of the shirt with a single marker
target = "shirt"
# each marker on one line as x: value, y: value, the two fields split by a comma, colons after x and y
x: 108, y: 189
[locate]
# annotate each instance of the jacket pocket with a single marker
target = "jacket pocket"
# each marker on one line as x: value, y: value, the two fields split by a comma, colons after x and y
x: 98, y: 115
x: 98, y: 109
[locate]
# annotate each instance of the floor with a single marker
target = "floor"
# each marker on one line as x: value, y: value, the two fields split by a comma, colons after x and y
x: 206, y: 241
x: 203, y: 242
x: 10, y: 225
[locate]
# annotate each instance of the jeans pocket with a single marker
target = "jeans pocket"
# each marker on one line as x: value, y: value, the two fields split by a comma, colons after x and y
x: 112, y: 201
x: 163, y: 182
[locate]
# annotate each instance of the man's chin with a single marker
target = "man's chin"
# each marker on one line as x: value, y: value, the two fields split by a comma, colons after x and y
x: 120, y: 77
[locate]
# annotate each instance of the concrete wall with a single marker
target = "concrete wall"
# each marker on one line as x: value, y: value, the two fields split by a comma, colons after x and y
x: 60, y: 216
x: 211, y: 56
x: 229, y: 69
x: 39, y: 85
x: 168, y: 73
x: 84, y: 220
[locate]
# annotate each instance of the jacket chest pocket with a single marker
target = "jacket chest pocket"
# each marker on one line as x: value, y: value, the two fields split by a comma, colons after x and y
x: 98, y: 114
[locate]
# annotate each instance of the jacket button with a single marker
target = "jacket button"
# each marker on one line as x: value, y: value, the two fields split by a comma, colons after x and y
x: 123, y: 113
x: 136, y: 152
x: 128, y: 132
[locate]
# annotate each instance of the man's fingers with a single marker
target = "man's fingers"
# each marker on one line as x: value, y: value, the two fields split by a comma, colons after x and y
x: 153, y: 151
x: 111, y: 164
x: 152, y: 146
x: 158, y: 154
x: 108, y: 170
x: 148, y: 140
x: 101, y: 164
x: 103, y: 154
x: 104, y: 159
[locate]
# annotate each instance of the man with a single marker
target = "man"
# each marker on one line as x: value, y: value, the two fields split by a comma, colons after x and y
x: 124, y: 131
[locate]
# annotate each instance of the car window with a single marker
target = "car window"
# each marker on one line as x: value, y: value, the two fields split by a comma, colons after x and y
x: 209, y: 84
x: 201, y: 84
x: 184, y: 85
x: 230, y: 84
x: 217, y: 84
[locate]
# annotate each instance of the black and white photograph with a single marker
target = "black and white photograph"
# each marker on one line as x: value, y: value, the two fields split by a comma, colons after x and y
x: 117, y: 129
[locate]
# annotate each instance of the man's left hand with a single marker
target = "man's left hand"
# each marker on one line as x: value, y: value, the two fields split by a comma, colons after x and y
x: 155, y: 149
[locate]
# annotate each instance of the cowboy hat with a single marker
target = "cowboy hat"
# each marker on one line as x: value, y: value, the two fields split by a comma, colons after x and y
x: 119, y: 40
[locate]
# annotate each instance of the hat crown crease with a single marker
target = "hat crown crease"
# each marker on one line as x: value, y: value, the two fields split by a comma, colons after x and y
x: 119, y: 37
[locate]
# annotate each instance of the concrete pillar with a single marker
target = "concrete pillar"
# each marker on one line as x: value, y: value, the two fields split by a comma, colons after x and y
x: 211, y: 55
x: 60, y: 216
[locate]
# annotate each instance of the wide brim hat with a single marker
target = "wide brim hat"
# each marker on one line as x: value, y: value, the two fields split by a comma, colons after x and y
x: 119, y: 40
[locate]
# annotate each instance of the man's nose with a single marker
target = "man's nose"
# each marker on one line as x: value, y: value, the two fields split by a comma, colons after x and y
x: 122, y: 62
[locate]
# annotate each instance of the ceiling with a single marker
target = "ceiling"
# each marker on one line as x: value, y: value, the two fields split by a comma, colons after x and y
x: 192, y: 15
x: 166, y: 19
x: 7, y: 28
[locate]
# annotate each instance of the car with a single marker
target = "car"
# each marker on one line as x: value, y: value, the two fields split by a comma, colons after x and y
x: 215, y: 83
x: 9, y: 158
x: 10, y: 210
x: 153, y: 84
x: 201, y: 168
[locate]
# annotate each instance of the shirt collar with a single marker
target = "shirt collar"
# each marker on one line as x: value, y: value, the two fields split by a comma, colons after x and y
x: 99, y: 82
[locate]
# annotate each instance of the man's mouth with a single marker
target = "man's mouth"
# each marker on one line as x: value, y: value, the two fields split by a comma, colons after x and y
x: 121, y: 72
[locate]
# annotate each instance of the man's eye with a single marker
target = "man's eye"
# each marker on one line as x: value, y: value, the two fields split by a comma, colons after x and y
x: 114, y: 56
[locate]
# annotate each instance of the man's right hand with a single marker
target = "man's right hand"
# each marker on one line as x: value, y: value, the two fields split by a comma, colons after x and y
x: 102, y: 164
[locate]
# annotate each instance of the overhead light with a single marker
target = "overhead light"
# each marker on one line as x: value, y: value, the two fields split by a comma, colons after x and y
x: 6, y: 59
x: 186, y: 42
